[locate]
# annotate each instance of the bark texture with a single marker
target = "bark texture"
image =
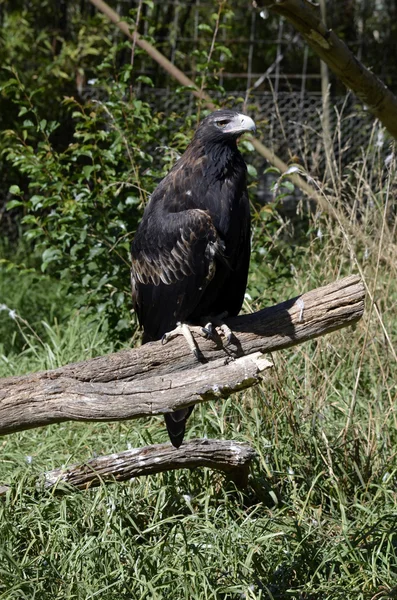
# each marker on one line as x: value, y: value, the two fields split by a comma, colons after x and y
x: 155, y: 379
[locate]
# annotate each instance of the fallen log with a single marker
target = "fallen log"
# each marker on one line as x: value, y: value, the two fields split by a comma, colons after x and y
x: 155, y: 379
x: 232, y: 458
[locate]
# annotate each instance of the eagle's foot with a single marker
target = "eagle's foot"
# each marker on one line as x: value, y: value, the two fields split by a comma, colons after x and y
x: 186, y: 330
x: 218, y: 322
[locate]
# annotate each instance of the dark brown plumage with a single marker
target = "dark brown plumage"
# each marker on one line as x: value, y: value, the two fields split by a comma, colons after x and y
x: 190, y: 254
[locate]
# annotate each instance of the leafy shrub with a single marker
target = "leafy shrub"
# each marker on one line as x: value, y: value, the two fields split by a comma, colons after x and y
x: 83, y: 203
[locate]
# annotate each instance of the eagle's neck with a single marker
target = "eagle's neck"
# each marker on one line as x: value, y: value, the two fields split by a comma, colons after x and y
x: 223, y: 159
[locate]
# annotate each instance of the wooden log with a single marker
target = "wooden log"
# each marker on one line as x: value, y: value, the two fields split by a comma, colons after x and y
x: 155, y: 379
x: 221, y: 455
x: 226, y: 456
x: 53, y: 396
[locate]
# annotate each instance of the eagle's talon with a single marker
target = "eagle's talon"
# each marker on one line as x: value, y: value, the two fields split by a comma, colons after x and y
x: 226, y: 332
x: 186, y: 330
x: 229, y: 338
x: 216, y: 327
x: 208, y: 331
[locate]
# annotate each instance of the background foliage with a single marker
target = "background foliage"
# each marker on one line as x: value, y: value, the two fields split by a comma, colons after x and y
x: 85, y: 139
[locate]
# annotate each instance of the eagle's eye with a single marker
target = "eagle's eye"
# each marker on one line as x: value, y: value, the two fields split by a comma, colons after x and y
x: 222, y: 124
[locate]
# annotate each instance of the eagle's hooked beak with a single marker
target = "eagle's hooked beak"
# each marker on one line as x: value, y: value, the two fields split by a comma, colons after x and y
x: 240, y: 123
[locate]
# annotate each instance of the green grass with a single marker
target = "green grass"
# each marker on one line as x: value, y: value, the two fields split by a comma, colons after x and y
x: 318, y: 520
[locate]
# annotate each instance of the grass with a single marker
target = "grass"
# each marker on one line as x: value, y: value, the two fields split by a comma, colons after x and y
x: 319, y: 517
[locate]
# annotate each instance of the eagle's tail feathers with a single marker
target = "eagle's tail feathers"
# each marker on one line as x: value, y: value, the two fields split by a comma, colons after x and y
x: 176, y: 423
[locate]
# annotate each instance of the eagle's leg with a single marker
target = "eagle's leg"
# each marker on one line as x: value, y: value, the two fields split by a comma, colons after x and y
x: 186, y: 330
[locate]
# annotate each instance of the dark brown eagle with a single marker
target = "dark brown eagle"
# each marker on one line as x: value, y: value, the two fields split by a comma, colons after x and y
x: 191, y: 251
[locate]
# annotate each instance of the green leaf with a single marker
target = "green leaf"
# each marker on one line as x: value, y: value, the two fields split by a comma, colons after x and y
x: 288, y: 185
x: 272, y: 170
x: 122, y: 324
x: 87, y: 170
x: 37, y: 201
x: 49, y: 255
x: 225, y: 50
x: 247, y: 145
x: 29, y: 220
x: 14, y: 189
x: 8, y: 83
x: 32, y: 234
x: 13, y: 204
x: 131, y: 200
x: 204, y: 27
x: 145, y: 79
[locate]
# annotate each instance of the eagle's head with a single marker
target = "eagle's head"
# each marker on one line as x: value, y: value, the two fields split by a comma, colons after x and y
x: 224, y: 125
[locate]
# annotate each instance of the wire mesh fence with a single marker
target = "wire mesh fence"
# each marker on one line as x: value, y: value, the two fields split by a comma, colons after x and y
x: 271, y: 68
x: 292, y: 124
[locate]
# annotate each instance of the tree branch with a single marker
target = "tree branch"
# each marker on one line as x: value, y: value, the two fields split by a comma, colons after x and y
x: 221, y: 455
x: 306, y: 18
x: 155, y: 379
